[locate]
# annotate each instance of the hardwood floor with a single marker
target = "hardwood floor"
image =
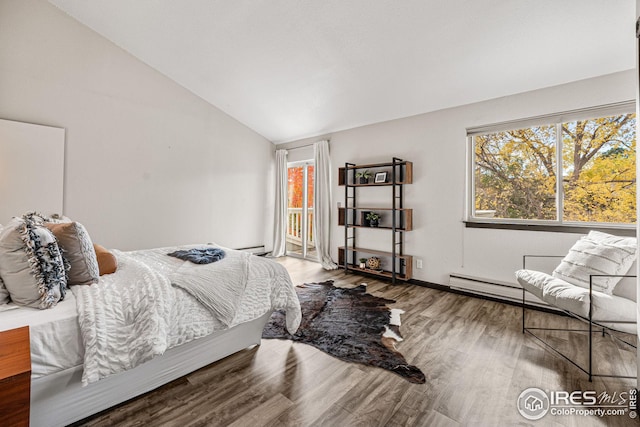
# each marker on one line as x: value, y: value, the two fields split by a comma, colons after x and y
x: 476, y: 359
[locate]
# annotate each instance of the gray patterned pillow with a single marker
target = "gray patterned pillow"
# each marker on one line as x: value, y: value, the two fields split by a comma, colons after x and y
x: 4, y: 293
x: 77, y: 249
x: 31, y: 264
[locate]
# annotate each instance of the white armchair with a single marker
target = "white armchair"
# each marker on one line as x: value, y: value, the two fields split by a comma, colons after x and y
x: 595, y: 283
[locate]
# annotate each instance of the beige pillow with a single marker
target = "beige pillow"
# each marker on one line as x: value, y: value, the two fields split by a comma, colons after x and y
x: 107, y: 262
x: 77, y: 249
x: 31, y: 264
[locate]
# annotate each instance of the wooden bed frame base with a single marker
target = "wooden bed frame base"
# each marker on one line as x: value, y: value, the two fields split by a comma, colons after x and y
x: 59, y: 399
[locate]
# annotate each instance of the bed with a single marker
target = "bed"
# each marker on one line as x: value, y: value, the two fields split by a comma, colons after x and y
x: 80, y: 370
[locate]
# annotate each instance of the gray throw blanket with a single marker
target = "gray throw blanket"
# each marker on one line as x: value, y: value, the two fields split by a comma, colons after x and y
x: 219, y: 286
x: 199, y: 255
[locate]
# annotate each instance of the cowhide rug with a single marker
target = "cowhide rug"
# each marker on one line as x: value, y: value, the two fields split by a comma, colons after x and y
x: 349, y: 324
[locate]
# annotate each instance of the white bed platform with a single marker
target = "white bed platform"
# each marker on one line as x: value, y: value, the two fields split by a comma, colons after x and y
x: 59, y: 399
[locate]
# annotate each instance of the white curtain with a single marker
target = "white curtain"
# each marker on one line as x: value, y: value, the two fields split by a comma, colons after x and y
x: 280, y: 226
x: 322, y: 204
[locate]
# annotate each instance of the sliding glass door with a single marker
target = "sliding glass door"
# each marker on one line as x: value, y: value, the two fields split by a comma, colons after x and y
x: 300, y: 210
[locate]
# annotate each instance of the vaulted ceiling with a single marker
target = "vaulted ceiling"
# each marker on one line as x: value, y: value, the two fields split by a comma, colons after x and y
x: 290, y: 69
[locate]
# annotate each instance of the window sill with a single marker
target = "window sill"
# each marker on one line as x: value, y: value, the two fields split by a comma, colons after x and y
x: 578, y: 229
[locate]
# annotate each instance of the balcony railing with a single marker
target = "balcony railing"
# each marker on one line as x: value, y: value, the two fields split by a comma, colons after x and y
x: 294, y: 226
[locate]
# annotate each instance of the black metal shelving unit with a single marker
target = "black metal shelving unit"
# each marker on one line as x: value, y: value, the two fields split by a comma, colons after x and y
x: 399, y: 173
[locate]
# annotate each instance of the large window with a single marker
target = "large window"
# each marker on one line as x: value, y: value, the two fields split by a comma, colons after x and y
x: 557, y: 172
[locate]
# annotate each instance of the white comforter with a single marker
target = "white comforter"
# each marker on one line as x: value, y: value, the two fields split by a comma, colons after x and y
x: 136, y: 314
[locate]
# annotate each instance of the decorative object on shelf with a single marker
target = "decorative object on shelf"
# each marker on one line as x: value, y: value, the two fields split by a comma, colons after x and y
x: 373, y: 263
x: 363, y: 177
x: 373, y: 219
x: 381, y: 177
x: 365, y: 221
x: 363, y: 263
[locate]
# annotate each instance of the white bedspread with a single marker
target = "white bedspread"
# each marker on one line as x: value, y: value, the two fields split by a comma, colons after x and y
x: 219, y: 286
x: 54, y: 334
x: 136, y: 314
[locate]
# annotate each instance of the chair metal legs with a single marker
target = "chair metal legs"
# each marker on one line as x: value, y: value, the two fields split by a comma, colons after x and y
x: 605, y: 330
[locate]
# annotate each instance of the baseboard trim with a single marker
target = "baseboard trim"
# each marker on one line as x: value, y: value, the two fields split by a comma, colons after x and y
x: 482, y: 296
x: 446, y: 288
x: 430, y: 285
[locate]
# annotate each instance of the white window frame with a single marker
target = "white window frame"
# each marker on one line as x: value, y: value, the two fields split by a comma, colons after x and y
x: 626, y: 107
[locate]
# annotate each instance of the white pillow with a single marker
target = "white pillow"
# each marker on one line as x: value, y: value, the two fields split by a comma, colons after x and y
x: 57, y: 219
x: 598, y: 253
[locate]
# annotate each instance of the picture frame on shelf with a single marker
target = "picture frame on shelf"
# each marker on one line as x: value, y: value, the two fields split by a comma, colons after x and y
x: 380, y: 177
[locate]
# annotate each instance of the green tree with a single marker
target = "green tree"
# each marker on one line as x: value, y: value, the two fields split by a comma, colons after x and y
x: 600, y: 169
x: 515, y: 171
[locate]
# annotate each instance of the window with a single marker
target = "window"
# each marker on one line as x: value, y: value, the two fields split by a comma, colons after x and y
x: 515, y: 169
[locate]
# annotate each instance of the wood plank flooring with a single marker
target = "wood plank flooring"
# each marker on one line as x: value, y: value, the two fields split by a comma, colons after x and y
x: 473, y: 352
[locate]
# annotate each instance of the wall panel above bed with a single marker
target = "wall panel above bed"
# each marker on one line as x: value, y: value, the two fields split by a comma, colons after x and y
x: 31, y: 169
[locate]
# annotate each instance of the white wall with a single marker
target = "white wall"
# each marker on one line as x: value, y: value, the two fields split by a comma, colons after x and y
x: 39, y: 150
x: 435, y: 143
x: 147, y: 162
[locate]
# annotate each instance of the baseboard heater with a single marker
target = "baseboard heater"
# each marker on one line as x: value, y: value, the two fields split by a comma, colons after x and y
x: 492, y: 288
x: 256, y: 250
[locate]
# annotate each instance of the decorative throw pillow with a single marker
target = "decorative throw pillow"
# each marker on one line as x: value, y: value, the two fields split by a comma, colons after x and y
x: 77, y: 249
x: 598, y: 253
x: 4, y: 293
x: 58, y: 219
x: 31, y: 263
x: 107, y: 262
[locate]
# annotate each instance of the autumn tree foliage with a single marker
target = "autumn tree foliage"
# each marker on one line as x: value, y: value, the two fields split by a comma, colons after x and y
x: 296, y: 185
x: 515, y: 172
